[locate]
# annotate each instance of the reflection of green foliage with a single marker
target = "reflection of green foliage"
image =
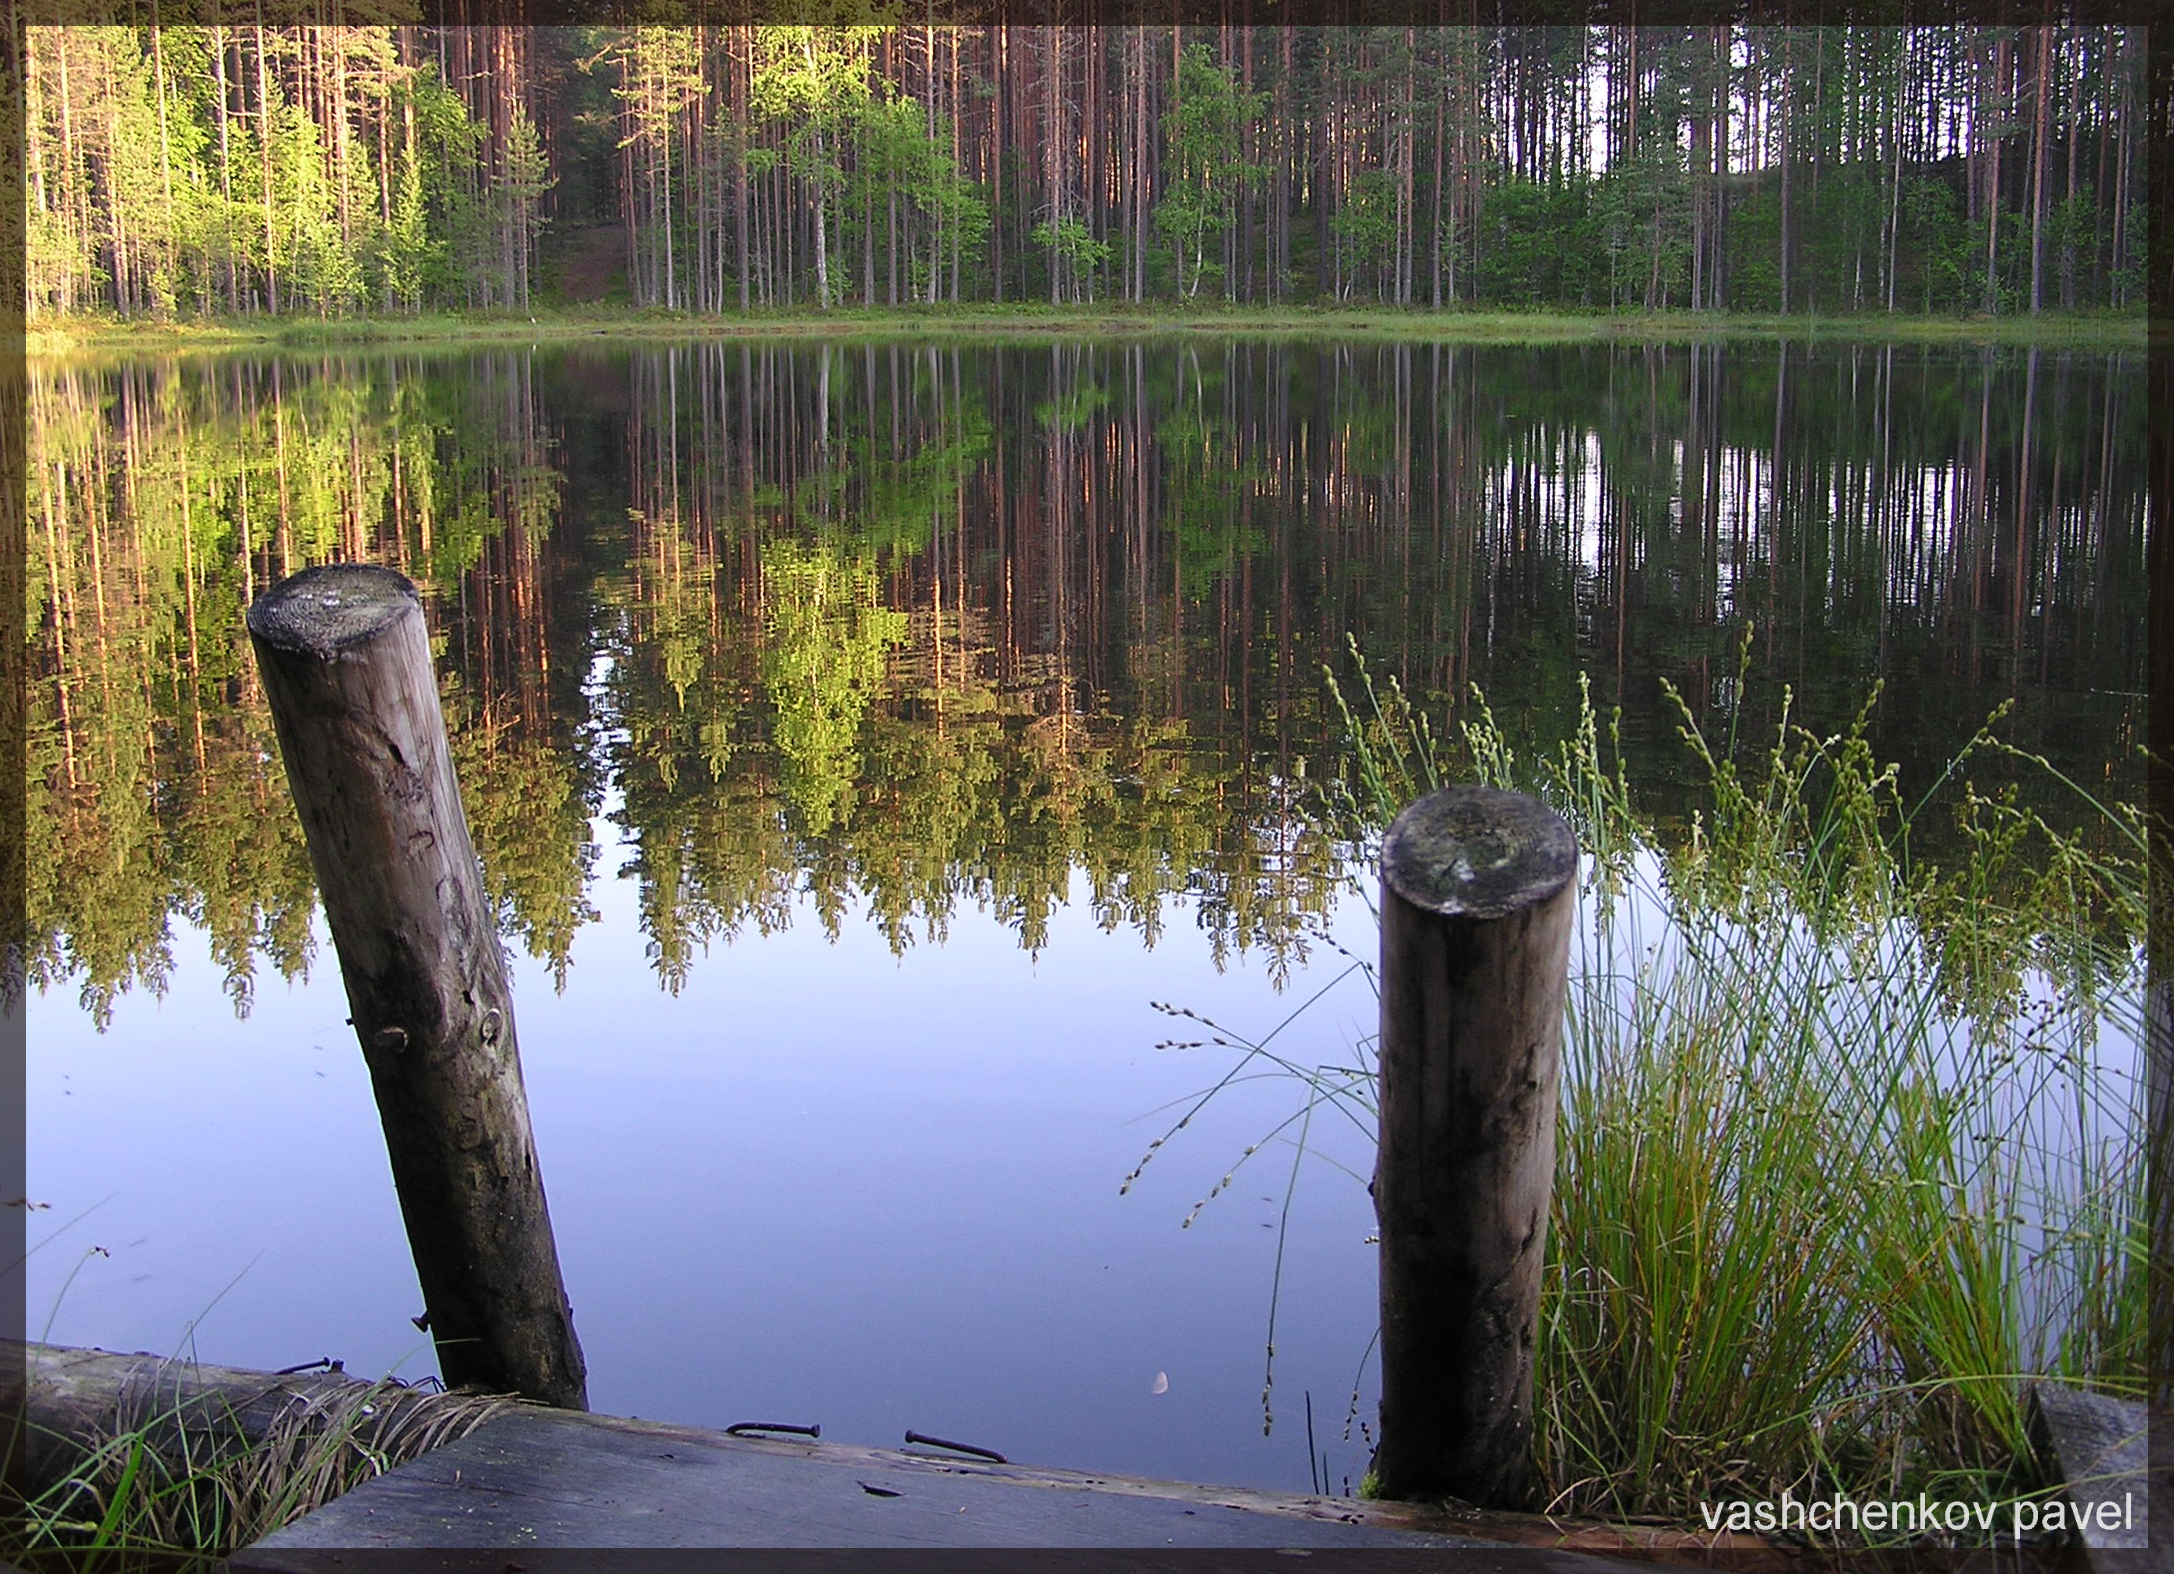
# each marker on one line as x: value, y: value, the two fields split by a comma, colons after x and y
x: 1207, y: 485
x: 236, y: 850
x: 825, y: 639
x: 1070, y: 409
x: 1060, y: 633
x: 529, y: 815
x: 891, y: 495
x: 162, y: 498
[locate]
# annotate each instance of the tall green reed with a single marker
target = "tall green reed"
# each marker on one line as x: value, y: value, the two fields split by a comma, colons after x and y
x: 1841, y: 1163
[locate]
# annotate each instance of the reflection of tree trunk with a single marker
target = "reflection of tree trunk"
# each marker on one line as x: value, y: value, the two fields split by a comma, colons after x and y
x: 2019, y: 568
x: 1887, y: 434
x: 188, y: 594
x: 279, y: 438
x: 1980, y: 510
x: 62, y: 597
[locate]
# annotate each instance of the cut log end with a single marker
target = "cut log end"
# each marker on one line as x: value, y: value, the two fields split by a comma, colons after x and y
x: 1478, y: 852
x: 331, y: 608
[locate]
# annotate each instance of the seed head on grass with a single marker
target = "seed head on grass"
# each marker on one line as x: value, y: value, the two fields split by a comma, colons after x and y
x: 1839, y: 1166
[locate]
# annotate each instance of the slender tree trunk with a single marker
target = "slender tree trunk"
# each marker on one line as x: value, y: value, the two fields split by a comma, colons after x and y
x: 1434, y: 290
x: 166, y: 157
x: 822, y: 239
x: 338, y: 38
x: 2038, y: 169
x: 2118, y: 254
x: 1053, y: 136
x: 226, y: 179
x: 2074, y: 90
x: 264, y: 160
x: 736, y: 69
x: 1894, y: 199
x: 1990, y: 108
x: 1000, y: 40
x: 1787, y: 90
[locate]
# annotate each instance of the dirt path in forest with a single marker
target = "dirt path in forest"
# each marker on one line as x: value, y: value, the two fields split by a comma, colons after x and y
x: 592, y: 264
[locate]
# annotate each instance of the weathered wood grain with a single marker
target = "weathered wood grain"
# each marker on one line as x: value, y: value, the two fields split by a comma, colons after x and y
x: 347, y: 668
x: 68, y: 1402
x: 1478, y: 895
x: 2096, y: 1446
x: 67, y: 1399
x: 540, y: 1479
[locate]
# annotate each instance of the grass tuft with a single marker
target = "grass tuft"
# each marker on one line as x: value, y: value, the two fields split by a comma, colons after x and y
x: 1849, y: 1149
x: 180, y: 1489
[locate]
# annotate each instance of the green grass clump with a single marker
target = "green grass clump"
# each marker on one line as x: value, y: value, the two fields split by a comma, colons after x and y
x: 1840, y: 1164
x: 181, y: 1488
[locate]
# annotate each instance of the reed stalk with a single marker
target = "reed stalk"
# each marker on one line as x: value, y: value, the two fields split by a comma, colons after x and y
x: 1848, y: 1152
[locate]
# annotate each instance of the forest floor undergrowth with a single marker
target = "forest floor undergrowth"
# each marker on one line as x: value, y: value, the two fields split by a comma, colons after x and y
x: 2069, y: 330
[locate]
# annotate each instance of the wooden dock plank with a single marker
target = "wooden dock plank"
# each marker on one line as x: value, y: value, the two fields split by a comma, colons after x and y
x: 2097, y: 1446
x: 542, y: 1479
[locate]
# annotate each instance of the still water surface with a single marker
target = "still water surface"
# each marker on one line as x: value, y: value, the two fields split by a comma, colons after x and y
x: 860, y: 737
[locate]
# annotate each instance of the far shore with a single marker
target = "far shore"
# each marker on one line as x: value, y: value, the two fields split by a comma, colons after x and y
x: 2064, y: 330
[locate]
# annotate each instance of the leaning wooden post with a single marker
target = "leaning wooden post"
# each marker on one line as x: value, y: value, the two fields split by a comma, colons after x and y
x: 346, y: 662
x: 1478, y: 896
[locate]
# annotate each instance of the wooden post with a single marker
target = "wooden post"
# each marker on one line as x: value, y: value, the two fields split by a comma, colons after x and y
x: 1478, y: 896
x: 346, y: 662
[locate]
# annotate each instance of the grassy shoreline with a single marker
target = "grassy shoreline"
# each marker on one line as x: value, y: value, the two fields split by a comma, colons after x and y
x: 81, y: 336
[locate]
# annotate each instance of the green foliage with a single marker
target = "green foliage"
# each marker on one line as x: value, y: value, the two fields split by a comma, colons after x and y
x: 363, y: 183
x: 1206, y: 169
x: 1539, y: 248
x: 902, y: 154
x: 1365, y: 224
x: 209, y: 206
x: 825, y: 640
x: 1074, y: 253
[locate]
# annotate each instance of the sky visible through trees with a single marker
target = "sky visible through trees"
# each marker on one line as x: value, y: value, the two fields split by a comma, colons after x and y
x: 182, y: 172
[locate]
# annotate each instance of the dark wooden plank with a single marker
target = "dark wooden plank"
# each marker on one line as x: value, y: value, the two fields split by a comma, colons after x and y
x: 1494, y: 1559
x: 542, y: 1479
x: 2097, y: 1446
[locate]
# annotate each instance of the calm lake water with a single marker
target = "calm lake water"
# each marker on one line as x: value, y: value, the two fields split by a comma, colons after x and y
x: 860, y: 738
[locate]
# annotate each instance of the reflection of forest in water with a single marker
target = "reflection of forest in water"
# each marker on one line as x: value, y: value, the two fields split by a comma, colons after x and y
x: 911, y: 626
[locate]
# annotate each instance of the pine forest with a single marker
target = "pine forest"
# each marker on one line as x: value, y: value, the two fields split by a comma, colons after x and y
x: 229, y: 171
